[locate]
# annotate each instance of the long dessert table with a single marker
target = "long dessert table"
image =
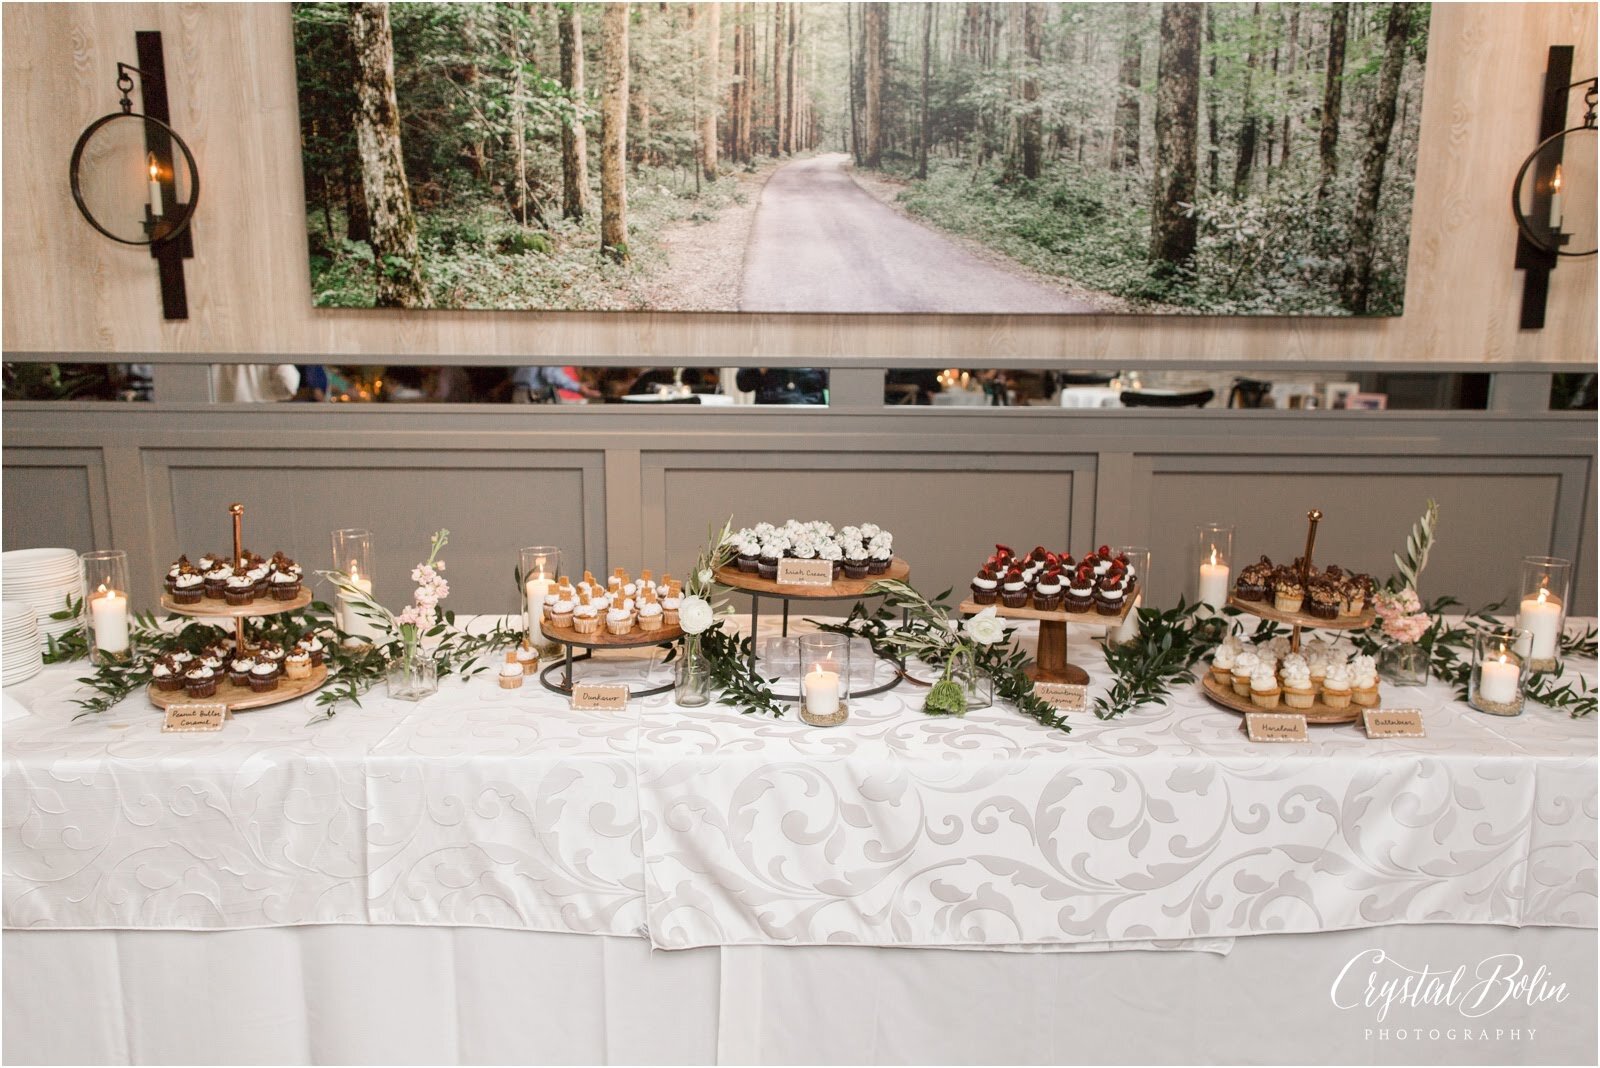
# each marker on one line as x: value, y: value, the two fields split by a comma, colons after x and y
x: 387, y: 832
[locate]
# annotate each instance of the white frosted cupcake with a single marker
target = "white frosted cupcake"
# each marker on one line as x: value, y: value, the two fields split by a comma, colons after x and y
x: 1264, y: 688
x: 1297, y: 689
x: 1244, y: 665
x: 619, y: 621
x: 1363, y: 681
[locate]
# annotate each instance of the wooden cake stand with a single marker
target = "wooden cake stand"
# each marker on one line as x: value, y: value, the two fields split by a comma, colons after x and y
x: 1318, y: 712
x: 841, y: 589
x: 601, y: 639
x: 1050, y: 659
x: 241, y: 698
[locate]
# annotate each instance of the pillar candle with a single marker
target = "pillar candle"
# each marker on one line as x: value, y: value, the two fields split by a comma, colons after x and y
x: 352, y: 622
x: 1214, y: 583
x: 1540, y: 616
x: 1129, y: 630
x: 1497, y: 682
x: 109, y: 612
x: 537, y: 589
x: 822, y: 691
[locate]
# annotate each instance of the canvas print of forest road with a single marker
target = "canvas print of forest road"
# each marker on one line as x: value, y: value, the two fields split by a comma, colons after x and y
x: 1181, y: 158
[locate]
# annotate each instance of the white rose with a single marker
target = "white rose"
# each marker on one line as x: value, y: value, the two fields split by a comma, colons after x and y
x: 694, y: 615
x: 705, y: 576
x: 985, y: 628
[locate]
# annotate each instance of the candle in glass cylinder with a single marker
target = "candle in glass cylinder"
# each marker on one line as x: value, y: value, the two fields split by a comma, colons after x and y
x: 537, y: 588
x: 1130, y: 625
x: 350, y: 620
x: 1498, y: 680
x: 1214, y: 582
x: 1540, y: 616
x: 108, y: 613
x: 822, y: 690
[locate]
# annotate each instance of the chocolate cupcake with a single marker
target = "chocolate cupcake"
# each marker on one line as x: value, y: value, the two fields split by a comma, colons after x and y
x: 166, y: 675
x: 986, y: 585
x: 189, y: 588
x: 1288, y: 595
x: 1080, y: 589
x: 1255, y: 581
x: 200, y: 681
x: 1109, y: 595
x: 264, y: 678
x: 216, y: 578
x: 241, y: 589
x: 1047, y: 592
x: 1014, y: 589
x: 1324, y: 599
x: 311, y: 644
x: 239, y: 669
x: 283, y: 585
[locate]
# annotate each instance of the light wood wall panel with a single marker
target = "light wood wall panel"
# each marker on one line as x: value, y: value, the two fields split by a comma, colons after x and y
x: 48, y: 506
x: 67, y: 289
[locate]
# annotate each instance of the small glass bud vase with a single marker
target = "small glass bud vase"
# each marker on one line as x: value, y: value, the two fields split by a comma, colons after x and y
x: 107, y: 613
x: 1499, y: 670
x: 1542, y: 607
x: 976, y: 687
x: 691, y: 680
x: 825, y: 686
x: 413, y: 676
x: 1404, y: 664
x: 1213, y: 563
x: 1127, y: 633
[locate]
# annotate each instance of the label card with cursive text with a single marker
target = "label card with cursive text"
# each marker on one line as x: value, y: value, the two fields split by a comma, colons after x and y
x: 188, y: 716
x: 1393, y: 723
x: 805, y: 573
x: 1276, y: 727
x: 1067, y: 696
x: 599, y: 697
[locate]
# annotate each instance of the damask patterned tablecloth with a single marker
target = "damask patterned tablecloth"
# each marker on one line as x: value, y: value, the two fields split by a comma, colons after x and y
x: 488, y: 807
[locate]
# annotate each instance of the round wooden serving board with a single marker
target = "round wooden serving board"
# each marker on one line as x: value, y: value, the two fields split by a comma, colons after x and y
x: 839, y: 590
x: 243, y: 698
x: 1265, y: 610
x: 261, y: 606
x: 1318, y: 712
x: 604, y: 639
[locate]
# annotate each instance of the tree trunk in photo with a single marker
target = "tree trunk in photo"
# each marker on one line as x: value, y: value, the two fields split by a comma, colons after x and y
x: 732, y: 133
x: 780, y: 130
x: 1293, y: 94
x: 383, y: 169
x: 1356, y: 289
x: 710, y: 87
x: 1213, y: 141
x: 1125, y: 130
x: 614, y: 131
x: 855, y: 77
x: 874, y: 17
x: 357, y: 223
x: 790, y: 107
x: 747, y: 98
x: 1332, y: 101
x: 519, y: 130
x: 1030, y: 131
x: 1172, y: 229
x: 1247, y: 125
x: 574, y: 142
x: 923, y: 133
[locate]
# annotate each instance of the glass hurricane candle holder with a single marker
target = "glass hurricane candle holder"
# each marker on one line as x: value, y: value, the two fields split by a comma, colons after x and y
x: 107, y: 613
x: 1213, y: 564
x: 538, y: 568
x: 1542, y: 607
x: 1138, y: 572
x: 825, y: 686
x: 352, y: 554
x: 1499, y: 670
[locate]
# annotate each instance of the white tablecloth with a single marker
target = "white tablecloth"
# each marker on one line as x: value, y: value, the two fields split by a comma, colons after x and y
x: 488, y: 807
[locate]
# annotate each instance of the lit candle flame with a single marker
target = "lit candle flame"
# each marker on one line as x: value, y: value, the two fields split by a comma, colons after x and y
x: 1555, y: 180
x: 1544, y: 594
x: 1213, y: 554
x: 155, y: 168
x: 102, y: 591
x: 355, y: 570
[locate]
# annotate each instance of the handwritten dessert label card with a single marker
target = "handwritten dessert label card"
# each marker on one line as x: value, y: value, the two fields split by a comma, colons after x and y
x: 1067, y: 696
x: 1276, y: 727
x: 805, y: 573
x: 599, y: 697
x: 189, y: 716
x: 1393, y: 723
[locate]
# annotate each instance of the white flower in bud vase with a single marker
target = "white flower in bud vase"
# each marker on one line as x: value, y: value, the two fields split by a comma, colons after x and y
x: 695, y: 615
x: 985, y: 628
x: 705, y: 576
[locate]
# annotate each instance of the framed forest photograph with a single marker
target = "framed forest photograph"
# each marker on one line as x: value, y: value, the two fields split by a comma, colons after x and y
x: 984, y: 158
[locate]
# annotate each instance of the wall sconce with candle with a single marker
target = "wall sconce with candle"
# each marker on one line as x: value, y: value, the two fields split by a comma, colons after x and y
x: 1553, y: 196
x: 135, y: 180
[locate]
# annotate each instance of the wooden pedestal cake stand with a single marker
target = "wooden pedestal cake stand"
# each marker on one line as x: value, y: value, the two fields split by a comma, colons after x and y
x: 570, y: 639
x: 241, y: 698
x: 1319, y: 712
x: 1050, y: 659
x: 841, y: 589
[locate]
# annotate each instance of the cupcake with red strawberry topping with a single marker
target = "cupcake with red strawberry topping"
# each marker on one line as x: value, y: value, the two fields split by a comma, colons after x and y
x: 1014, y: 590
x: 1080, y: 589
x: 1047, y: 591
x: 1109, y: 594
x: 986, y: 586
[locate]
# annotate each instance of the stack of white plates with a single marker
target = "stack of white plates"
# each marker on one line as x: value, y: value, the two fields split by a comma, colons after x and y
x: 21, y: 648
x: 42, y: 579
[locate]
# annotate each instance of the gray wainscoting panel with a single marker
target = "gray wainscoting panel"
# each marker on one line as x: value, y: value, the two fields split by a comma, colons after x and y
x: 51, y: 505
x: 492, y: 504
x: 945, y: 517
x: 1487, y: 521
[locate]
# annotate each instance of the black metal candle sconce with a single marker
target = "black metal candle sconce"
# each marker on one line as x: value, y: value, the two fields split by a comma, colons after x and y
x: 166, y: 226
x: 1541, y: 240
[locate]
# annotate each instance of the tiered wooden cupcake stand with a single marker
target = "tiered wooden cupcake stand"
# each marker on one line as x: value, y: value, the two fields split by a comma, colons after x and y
x: 241, y: 698
x: 842, y: 589
x: 601, y: 639
x: 1050, y: 658
x: 1319, y: 712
